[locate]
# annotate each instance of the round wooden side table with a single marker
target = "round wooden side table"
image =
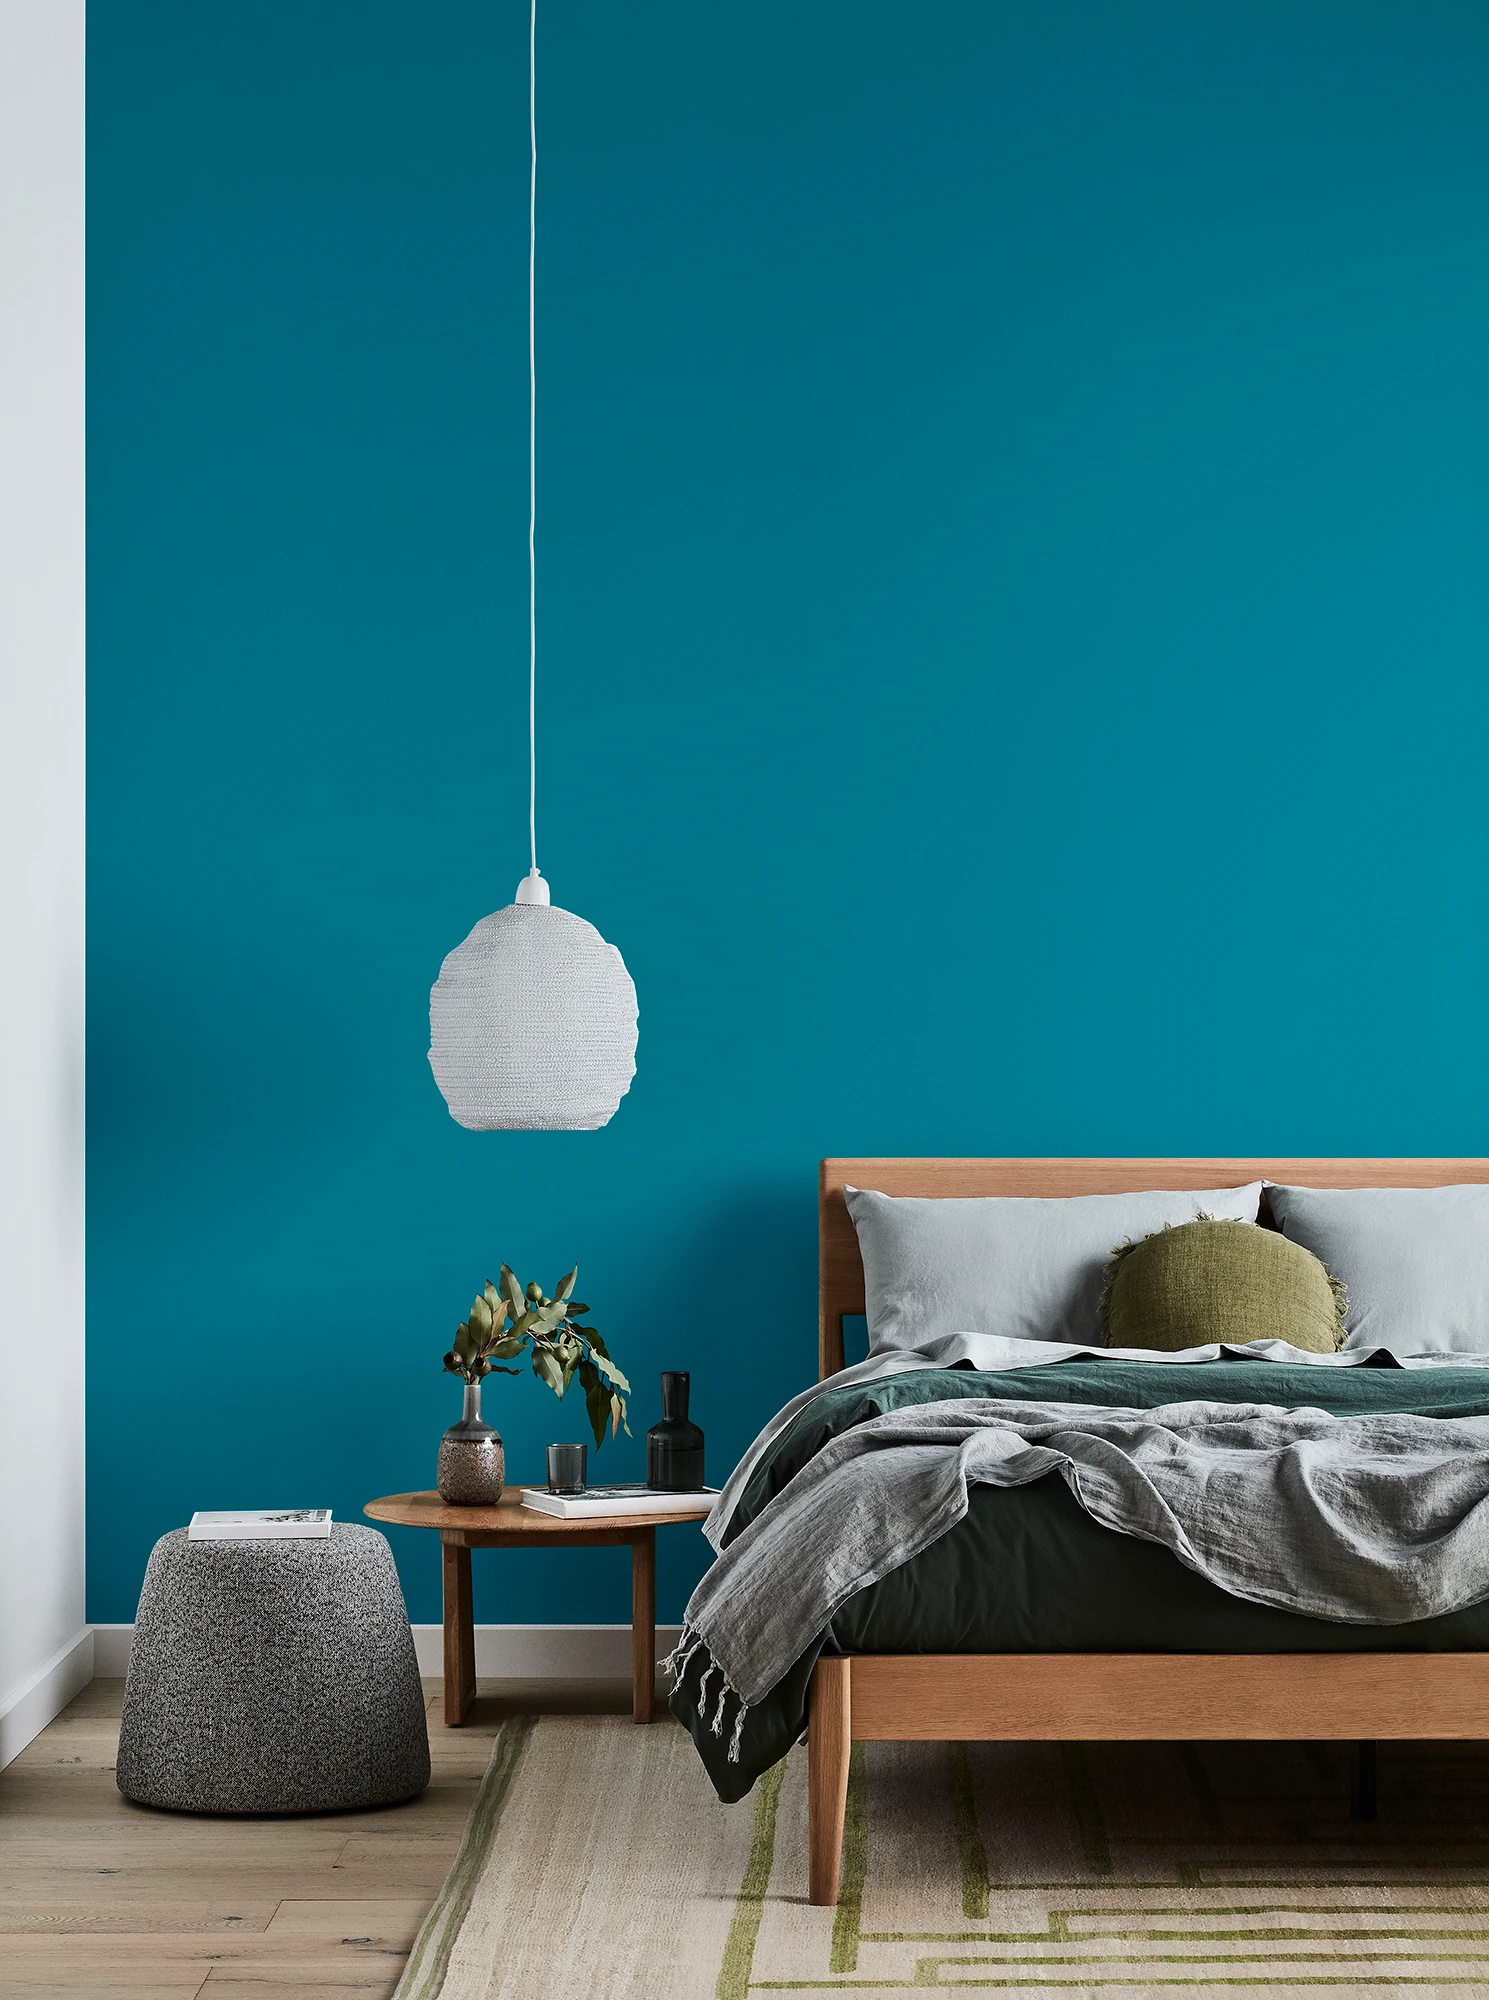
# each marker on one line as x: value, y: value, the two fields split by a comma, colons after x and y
x: 510, y: 1525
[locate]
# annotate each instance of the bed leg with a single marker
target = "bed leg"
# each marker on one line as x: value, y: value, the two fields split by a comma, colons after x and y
x: 1362, y: 1782
x: 829, y: 1741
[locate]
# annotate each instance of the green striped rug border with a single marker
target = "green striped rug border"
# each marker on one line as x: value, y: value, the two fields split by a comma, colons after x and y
x: 424, y: 1974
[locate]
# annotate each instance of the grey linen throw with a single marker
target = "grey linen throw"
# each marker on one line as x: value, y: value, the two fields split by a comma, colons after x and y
x: 1367, y: 1520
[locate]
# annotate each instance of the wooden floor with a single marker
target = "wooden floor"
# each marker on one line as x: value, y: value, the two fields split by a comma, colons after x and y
x: 102, y: 1898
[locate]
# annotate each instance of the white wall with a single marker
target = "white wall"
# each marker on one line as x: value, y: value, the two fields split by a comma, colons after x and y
x: 45, y: 1648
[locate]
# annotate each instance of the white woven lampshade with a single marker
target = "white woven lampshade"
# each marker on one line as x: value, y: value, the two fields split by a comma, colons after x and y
x: 532, y: 1024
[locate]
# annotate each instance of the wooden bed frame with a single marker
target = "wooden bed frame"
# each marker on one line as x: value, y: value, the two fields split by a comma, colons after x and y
x: 1066, y: 1697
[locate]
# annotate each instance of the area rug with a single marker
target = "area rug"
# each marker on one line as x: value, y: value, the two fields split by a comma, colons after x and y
x: 598, y: 1865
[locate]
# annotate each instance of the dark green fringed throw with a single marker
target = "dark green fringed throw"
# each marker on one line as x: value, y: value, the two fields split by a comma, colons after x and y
x: 1207, y: 1281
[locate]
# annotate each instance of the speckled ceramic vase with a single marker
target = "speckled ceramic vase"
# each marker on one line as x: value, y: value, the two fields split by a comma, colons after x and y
x: 472, y: 1464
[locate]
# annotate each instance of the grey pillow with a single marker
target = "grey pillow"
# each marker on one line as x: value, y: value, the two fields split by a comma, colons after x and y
x: 1023, y: 1266
x: 1415, y: 1261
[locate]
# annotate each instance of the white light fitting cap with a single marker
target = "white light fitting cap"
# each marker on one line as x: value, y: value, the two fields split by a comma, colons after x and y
x: 532, y: 889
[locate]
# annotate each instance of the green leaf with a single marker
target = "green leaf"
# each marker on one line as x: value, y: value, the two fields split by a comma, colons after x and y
x: 480, y: 1318
x: 512, y: 1289
x: 577, y: 1312
x: 493, y: 1299
x: 506, y: 1348
x: 465, y: 1342
x: 608, y: 1368
x: 591, y: 1334
x: 548, y: 1370
x: 597, y: 1403
x: 502, y: 1371
x: 566, y: 1287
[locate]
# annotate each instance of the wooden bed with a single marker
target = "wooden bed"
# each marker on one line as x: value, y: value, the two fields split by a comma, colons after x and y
x: 1065, y: 1697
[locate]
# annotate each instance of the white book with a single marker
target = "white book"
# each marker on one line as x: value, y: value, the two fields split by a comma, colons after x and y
x: 596, y: 1501
x: 262, y: 1524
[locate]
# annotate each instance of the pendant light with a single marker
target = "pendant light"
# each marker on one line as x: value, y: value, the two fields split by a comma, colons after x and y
x: 532, y: 1021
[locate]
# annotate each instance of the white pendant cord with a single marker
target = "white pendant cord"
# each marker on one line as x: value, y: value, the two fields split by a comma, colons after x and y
x: 532, y: 447
x: 532, y: 888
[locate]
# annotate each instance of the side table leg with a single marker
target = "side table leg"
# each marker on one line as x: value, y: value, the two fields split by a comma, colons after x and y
x: 643, y: 1624
x: 460, y: 1637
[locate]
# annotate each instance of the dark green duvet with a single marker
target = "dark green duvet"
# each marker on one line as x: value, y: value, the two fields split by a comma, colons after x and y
x: 1029, y: 1571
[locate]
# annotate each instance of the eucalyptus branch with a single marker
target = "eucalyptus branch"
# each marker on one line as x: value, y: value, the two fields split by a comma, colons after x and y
x: 508, y: 1318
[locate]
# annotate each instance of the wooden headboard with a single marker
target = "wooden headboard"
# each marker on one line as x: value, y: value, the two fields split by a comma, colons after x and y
x: 840, y: 1268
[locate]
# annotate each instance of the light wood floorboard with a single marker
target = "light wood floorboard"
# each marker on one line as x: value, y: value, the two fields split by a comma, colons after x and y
x: 101, y: 1899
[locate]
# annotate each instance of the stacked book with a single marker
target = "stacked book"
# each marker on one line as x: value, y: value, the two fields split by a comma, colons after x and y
x: 262, y: 1524
x: 596, y: 1501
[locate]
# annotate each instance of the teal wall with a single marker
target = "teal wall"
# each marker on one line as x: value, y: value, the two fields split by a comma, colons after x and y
x: 1015, y: 662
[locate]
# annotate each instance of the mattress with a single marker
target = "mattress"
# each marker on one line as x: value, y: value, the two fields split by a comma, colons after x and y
x: 1028, y: 1570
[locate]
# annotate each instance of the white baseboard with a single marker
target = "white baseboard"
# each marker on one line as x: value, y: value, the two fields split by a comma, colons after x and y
x: 507, y: 1652
x: 541, y: 1652
x: 45, y: 1694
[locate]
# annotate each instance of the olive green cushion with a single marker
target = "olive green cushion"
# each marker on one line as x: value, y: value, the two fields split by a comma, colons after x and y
x: 1206, y: 1281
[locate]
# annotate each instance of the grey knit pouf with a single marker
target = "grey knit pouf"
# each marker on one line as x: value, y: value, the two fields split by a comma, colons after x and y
x: 272, y: 1677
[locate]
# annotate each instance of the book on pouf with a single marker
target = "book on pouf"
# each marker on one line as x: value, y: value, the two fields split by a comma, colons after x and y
x: 262, y: 1524
x: 596, y: 1501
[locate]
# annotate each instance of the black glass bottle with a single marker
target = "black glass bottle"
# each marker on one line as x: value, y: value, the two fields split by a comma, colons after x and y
x: 674, y: 1447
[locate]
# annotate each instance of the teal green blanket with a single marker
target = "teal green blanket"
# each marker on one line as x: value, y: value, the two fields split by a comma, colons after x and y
x: 1029, y: 1571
